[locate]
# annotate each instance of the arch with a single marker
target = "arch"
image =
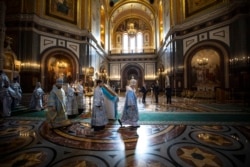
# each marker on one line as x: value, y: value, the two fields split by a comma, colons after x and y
x: 58, y: 55
x: 122, y: 12
x: 129, y: 70
x: 140, y: 27
x: 11, y: 65
x: 223, y: 57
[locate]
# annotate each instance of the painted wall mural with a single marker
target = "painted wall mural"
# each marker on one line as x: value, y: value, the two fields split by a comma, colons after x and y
x: 62, y: 9
x: 138, y: 24
x: 195, y: 6
x: 205, y: 70
x: 59, y: 68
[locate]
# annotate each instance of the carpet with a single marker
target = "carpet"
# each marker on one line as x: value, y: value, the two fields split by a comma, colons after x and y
x: 196, y: 117
x: 187, y: 118
x: 225, y: 107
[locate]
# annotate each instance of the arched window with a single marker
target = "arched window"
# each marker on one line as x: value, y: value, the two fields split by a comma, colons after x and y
x: 132, y: 44
x: 139, y: 42
x: 125, y: 43
x: 134, y: 36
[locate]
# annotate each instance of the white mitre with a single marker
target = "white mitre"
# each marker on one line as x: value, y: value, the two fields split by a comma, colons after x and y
x: 132, y: 81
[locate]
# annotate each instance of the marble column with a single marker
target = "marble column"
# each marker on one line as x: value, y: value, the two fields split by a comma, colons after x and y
x: 2, y: 32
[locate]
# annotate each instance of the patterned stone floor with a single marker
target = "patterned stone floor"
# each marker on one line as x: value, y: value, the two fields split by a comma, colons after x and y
x: 33, y: 143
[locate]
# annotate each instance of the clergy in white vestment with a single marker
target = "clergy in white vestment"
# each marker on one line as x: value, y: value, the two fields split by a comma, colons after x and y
x: 36, y: 101
x: 80, y: 97
x: 99, y: 117
x: 71, y: 105
x: 56, y: 113
x: 130, y: 114
x: 8, y: 94
x: 15, y: 85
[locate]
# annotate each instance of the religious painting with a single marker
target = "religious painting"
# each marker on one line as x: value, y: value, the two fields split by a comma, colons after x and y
x: 205, y: 70
x: 195, y: 6
x: 59, y: 67
x: 8, y: 61
x: 62, y: 9
x: 17, y: 65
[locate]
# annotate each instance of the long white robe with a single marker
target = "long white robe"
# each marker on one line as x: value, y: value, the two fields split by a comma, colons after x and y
x: 16, y: 86
x: 57, y: 105
x: 130, y: 114
x: 36, y: 101
x: 71, y: 105
x: 99, y: 116
x: 80, y: 97
x: 8, y: 95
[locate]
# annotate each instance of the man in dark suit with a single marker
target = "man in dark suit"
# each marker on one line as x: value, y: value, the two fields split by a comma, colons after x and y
x: 168, y: 94
x: 144, y: 91
x: 156, y: 90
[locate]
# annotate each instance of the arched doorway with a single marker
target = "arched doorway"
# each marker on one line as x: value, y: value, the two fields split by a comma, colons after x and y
x: 205, y: 71
x: 205, y: 67
x: 129, y: 71
x: 59, y: 64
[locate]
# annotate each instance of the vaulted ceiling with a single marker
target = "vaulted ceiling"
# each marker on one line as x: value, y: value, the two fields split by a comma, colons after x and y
x: 131, y: 9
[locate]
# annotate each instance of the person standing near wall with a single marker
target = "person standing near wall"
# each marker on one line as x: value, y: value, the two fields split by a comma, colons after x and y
x: 169, y: 94
x: 144, y: 91
x: 156, y: 90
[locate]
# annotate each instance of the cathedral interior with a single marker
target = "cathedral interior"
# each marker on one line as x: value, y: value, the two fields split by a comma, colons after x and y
x: 199, y: 48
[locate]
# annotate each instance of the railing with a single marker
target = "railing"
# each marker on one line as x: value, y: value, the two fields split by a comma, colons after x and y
x: 122, y: 51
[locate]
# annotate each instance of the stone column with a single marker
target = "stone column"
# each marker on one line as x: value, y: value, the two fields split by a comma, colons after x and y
x: 2, y: 32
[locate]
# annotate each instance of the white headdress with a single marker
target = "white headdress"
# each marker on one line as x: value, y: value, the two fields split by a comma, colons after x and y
x: 132, y: 81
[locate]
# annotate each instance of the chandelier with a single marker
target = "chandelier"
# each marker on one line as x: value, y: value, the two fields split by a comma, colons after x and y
x: 203, y: 61
x: 62, y: 65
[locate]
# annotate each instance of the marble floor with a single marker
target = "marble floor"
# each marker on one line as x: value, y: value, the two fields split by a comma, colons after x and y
x: 32, y: 143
